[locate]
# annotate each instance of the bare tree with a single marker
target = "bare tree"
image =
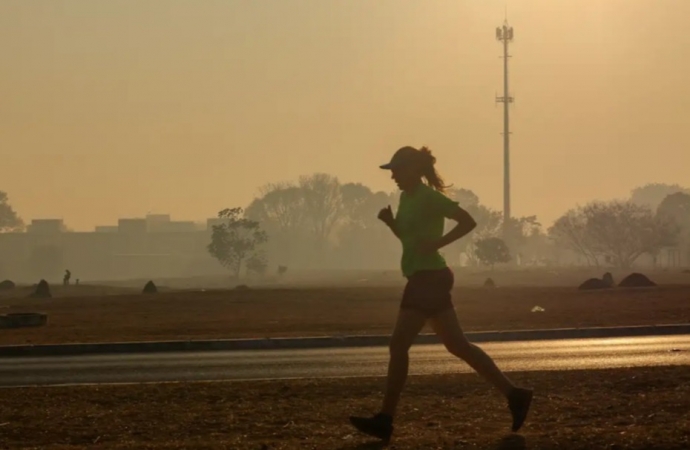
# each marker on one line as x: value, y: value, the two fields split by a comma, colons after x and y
x: 280, y: 211
x: 570, y: 231
x: 357, y: 205
x: 306, y: 217
x: 281, y: 205
x: 323, y: 204
x: 624, y: 230
x: 619, y: 231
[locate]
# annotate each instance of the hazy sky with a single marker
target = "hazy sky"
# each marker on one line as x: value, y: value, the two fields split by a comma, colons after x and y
x: 116, y: 108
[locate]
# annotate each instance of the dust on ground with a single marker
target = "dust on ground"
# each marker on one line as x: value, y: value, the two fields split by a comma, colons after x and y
x: 640, y: 408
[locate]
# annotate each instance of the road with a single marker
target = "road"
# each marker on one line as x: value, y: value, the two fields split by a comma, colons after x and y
x: 371, y: 361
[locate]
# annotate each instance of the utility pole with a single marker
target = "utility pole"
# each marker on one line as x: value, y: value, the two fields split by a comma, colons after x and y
x: 504, y: 34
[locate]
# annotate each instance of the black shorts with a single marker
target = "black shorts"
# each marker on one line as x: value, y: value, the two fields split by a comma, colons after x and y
x: 429, y: 292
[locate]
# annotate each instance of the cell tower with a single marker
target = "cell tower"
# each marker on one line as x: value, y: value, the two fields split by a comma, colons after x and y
x: 504, y: 34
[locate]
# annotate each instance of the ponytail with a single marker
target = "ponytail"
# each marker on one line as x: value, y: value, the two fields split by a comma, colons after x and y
x: 432, y: 177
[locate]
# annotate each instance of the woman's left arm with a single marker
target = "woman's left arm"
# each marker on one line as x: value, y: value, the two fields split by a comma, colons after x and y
x: 465, y: 224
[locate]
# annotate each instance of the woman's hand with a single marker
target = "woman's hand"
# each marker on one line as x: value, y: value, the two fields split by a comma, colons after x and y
x: 386, y: 215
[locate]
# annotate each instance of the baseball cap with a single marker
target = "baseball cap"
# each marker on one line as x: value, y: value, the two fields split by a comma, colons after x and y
x: 404, y: 156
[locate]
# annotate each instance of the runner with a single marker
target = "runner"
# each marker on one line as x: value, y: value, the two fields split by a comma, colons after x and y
x: 427, y: 296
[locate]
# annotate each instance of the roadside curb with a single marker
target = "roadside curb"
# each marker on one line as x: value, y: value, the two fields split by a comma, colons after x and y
x: 329, y: 341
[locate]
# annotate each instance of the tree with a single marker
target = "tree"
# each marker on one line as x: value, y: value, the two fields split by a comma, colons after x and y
x: 488, y: 222
x: 301, y: 218
x: 362, y: 241
x: 357, y: 203
x: 622, y: 231
x: 527, y: 239
x: 361, y: 206
x: 236, y: 240
x: 257, y: 264
x: 570, y: 231
x: 280, y: 211
x: 676, y: 207
x: 518, y: 232
x: 9, y: 220
x: 651, y: 195
x: 491, y: 251
x: 521, y: 227
x: 323, y: 204
x: 618, y: 231
x: 280, y: 204
x: 466, y: 198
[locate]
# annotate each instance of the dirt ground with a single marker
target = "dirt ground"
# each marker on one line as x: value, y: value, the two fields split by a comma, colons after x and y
x: 641, y: 408
x: 116, y: 315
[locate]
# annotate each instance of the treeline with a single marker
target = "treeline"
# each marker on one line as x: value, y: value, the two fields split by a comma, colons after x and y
x: 317, y: 222
x: 617, y: 233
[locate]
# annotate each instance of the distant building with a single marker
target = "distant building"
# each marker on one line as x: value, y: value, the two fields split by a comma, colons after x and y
x: 46, y: 226
x: 106, y: 229
x: 180, y: 227
x: 157, y: 222
x: 149, y: 247
x: 137, y: 226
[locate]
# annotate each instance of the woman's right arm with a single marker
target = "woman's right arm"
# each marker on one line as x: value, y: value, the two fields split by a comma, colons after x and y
x: 386, y: 216
x: 393, y: 228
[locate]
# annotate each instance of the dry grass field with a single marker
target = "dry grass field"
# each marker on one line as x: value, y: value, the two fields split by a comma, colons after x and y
x: 355, y: 306
x: 641, y: 408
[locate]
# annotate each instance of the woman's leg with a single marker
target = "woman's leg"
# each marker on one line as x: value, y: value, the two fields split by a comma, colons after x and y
x: 448, y: 328
x: 407, y: 327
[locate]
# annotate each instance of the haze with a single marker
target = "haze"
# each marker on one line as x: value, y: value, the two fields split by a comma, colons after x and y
x: 118, y: 108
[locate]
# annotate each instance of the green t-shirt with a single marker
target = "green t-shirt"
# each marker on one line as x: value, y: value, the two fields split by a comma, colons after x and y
x: 420, y: 217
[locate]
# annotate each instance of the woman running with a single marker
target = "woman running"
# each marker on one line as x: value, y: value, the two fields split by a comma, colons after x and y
x: 427, y: 296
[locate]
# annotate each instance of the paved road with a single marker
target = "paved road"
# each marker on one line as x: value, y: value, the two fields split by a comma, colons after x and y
x: 276, y: 364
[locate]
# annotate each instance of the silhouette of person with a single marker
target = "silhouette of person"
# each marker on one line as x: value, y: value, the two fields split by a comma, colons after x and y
x: 66, y: 278
x: 419, y: 224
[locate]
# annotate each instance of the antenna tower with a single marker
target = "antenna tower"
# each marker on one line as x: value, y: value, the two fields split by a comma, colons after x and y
x: 504, y: 34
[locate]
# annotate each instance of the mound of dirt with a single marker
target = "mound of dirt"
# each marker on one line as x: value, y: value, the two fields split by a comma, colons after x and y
x: 594, y: 283
x: 7, y: 285
x: 608, y: 279
x: 489, y: 283
x: 150, y: 288
x: 42, y: 290
x: 636, y: 280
